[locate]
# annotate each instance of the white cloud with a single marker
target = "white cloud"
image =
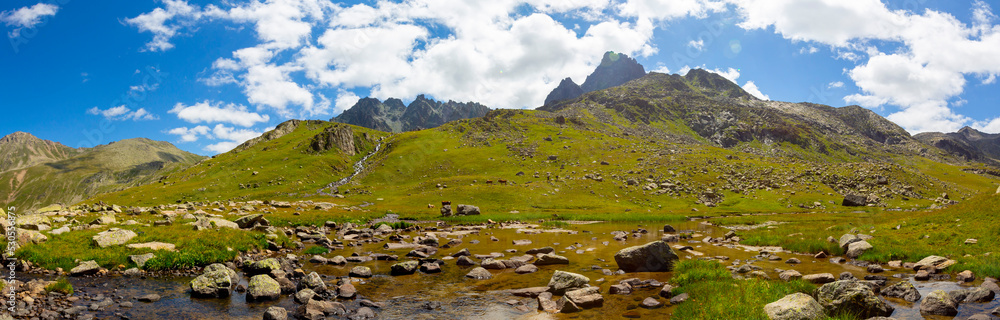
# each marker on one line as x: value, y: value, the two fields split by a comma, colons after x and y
x: 227, y: 137
x: 207, y: 111
x: 931, y: 52
x: 121, y: 113
x: 345, y: 100
x: 189, y: 134
x: 27, y: 17
x: 669, y: 9
x: 835, y: 85
x: 809, y: 50
x: 752, y: 89
x: 990, y: 126
x: 698, y: 45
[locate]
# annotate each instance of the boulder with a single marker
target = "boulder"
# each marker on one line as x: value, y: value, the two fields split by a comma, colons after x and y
x: 796, y: 306
x: 562, y: 281
x: 966, y: 276
x: 31, y: 221
x: 263, y: 287
x: 930, y: 262
x: 312, y: 281
x: 467, y: 210
x: 404, y: 268
x: 304, y: 295
x: 113, y: 237
x: 847, y: 239
x: 621, y: 288
x: 852, y: 297
x: 464, y: 261
x: 939, y: 303
x: 546, y: 304
x: 586, y: 298
x: 141, y: 259
x: 669, y: 229
x: 853, y: 200
x: 650, y: 303
x: 491, y: 263
x: 856, y: 249
x: 26, y: 237
x: 655, y: 256
x: 980, y: 294
x: 266, y: 266
x: 819, y: 278
x: 104, y: 220
x: 479, y: 273
x: 212, y: 284
x: 275, y: 313
x: 528, y: 268
x: 544, y: 250
x: 251, y: 220
x: 902, y: 290
x: 360, y: 272
x: 318, y: 310
x: 346, y: 291
x: 430, y: 267
x: 789, y: 275
x: 85, y: 268
x: 550, y: 259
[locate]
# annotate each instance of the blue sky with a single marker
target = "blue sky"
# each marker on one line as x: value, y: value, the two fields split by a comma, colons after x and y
x: 207, y: 75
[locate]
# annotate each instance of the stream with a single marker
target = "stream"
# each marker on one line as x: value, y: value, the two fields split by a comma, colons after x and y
x: 449, y: 295
x: 358, y: 168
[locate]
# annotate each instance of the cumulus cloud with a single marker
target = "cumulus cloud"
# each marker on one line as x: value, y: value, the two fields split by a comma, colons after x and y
x: 121, y: 113
x: 835, y: 85
x: 345, y: 100
x: 752, y: 89
x: 207, y: 111
x: 226, y: 138
x: 931, y: 52
x: 27, y: 17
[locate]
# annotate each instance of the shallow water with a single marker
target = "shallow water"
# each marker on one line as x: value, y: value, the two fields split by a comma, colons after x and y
x: 449, y: 295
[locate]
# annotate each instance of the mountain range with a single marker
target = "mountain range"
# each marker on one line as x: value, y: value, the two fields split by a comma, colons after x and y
x: 392, y: 116
x: 36, y: 172
x: 655, y: 142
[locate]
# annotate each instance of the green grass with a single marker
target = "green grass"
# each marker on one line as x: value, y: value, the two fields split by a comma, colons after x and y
x: 714, y: 294
x: 61, y: 285
x: 921, y: 233
x: 194, y: 248
x: 316, y: 250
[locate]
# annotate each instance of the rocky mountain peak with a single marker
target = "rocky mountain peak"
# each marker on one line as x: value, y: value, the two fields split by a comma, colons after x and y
x: 716, y: 82
x: 615, y: 69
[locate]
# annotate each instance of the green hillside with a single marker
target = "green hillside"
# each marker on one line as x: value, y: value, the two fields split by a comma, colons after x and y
x: 59, y: 174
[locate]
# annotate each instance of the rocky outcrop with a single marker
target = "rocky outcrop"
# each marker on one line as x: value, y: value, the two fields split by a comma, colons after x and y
x: 796, y: 306
x: 655, y: 256
x: 339, y: 137
x: 968, y: 143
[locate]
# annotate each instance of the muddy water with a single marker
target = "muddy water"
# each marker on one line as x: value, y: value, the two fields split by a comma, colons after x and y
x: 449, y: 295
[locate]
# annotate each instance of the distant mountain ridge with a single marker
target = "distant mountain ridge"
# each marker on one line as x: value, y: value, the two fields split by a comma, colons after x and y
x: 392, y: 116
x: 36, y: 172
x: 615, y: 69
x: 968, y: 143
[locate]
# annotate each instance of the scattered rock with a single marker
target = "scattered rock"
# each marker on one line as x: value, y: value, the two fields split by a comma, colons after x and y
x: 346, y: 291
x: 550, y: 259
x: 853, y: 200
x: 586, y: 298
x: 856, y: 249
x: 979, y: 294
x: 313, y: 281
x: 152, y: 297
x: 141, y: 259
x: 153, y: 246
x: 679, y: 298
x: 521, y: 242
x: 796, y: 306
x: 789, y: 275
x: 793, y: 261
x: 213, y: 284
x: 545, y: 303
x: 263, y: 287
x: 304, y: 295
x: 966, y: 276
x: 669, y: 229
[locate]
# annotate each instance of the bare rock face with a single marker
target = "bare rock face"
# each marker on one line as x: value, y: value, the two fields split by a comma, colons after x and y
x: 566, y: 90
x: 340, y: 137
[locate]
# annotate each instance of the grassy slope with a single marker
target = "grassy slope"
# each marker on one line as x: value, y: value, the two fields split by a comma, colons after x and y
x: 285, y: 170
x: 104, y: 168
